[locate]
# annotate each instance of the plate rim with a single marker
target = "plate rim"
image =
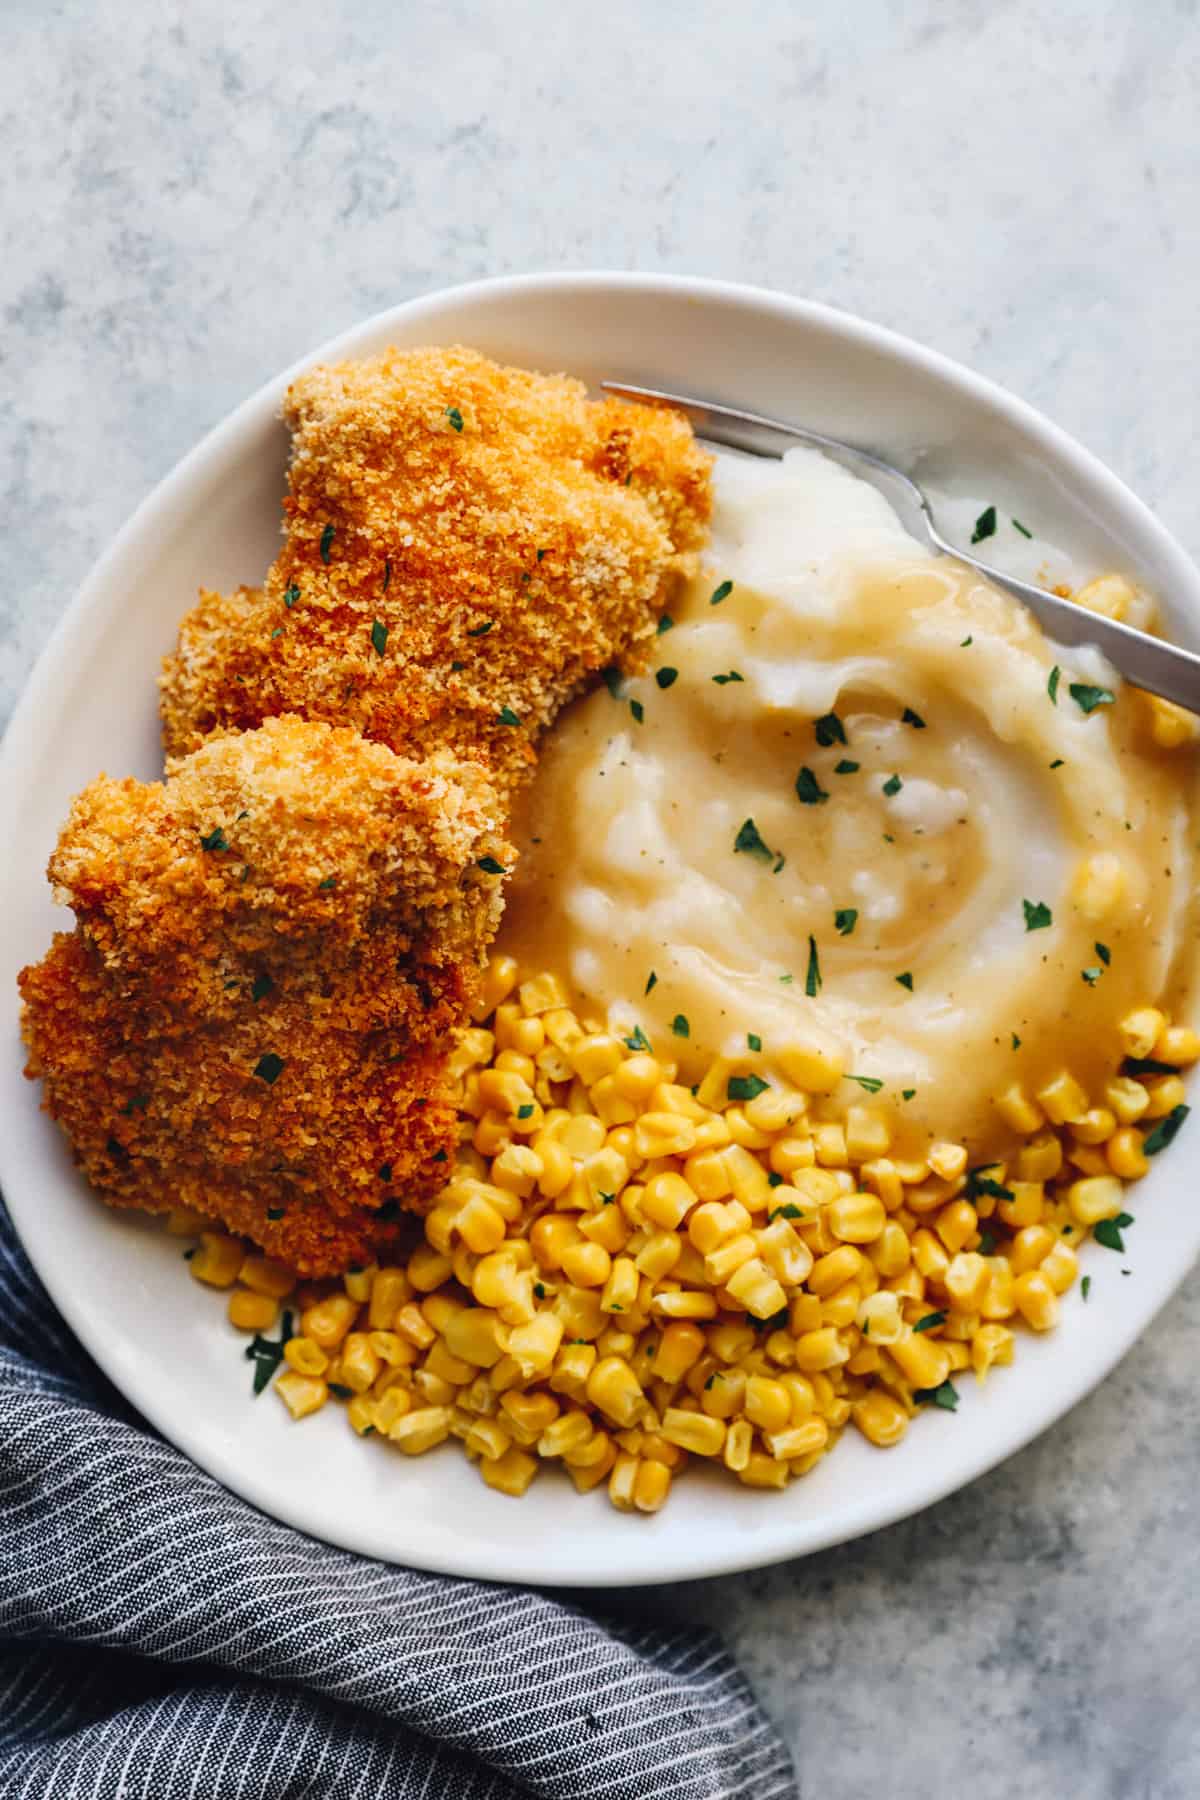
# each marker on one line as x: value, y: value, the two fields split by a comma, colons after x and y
x: 656, y: 1560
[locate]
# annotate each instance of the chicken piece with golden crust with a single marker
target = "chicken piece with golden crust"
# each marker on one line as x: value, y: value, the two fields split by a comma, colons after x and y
x: 466, y: 546
x: 271, y: 952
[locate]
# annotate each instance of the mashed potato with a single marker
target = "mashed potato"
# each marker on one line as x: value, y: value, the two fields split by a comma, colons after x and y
x: 854, y: 808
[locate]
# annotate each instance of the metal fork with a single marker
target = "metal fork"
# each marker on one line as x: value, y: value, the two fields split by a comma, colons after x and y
x: 1146, y: 661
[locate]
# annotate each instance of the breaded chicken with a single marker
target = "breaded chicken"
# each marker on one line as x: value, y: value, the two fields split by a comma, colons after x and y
x: 252, y: 1015
x: 466, y: 545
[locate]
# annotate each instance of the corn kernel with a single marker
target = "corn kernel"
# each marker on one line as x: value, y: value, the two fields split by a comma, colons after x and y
x: 797, y: 1440
x: 1063, y: 1100
x: 1140, y: 1030
x: 1166, y: 1093
x: 301, y: 1394
x: 305, y: 1357
x: 218, y: 1261
x: 535, y: 1344
x: 868, y: 1134
x: 1060, y: 1266
x: 1018, y: 1111
x: 586, y: 1264
x: 812, y: 1069
x: 967, y: 1281
x: 613, y: 1387
x: 252, y: 1312
x: 1095, y: 1198
x: 1125, y: 1155
x: 857, y: 1218
x: 666, y: 1200
x: 921, y: 1359
x: 698, y: 1433
x: 992, y: 1344
x: 1040, y: 1159
x: 820, y: 1350
x: 1036, y: 1300
x: 767, y: 1403
x: 880, y: 1417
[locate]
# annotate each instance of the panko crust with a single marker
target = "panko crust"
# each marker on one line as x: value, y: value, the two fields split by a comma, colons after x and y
x: 271, y: 952
x: 466, y: 546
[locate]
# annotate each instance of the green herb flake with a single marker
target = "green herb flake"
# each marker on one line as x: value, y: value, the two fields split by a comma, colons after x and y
x: 387, y: 573
x: 1103, y: 952
x: 1088, y: 698
x: 945, y: 1396
x: 278, y: 631
x: 790, y: 1211
x: 829, y: 730
x: 812, y: 978
x: 652, y: 982
x: 906, y: 980
x: 215, y: 840
x: 267, y: 1353
x: 907, y: 1093
x: 455, y: 417
x: 1037, y: 915
x: 750, y: 842
x: 1091, y: 976
x: 490, y: 866
x: 1166, y: 1131
x: 1052, y: 684
x: 724, y: 680
x: 526, y: 1111
x: 1085, y: 1286
x: 979, y: 1182
x: 1147, y: 1065
x: 753, y: 1042
x: 845, y: 919
x: 930, y: 1321
x: 506, y: 716
x: 539, y: 1291
x: 330, y: 881
x: 542, y: 554
x: 1023, y: 529
x: 872, y: 1083
x: 1057, y: 763
x: 665, y: 623
x: 637, y: 1040
x: 262, y: 986
x: 846, y: 767
x: 809, y: 791
x: 327, y: 537
x: 1108, y: 1231
x: 290, y: 596
x: 379, y: 637
x: 892, y: 785
x: 985, y: 525
x: 720, y: 593
x: 1016, y: 1042
x: 612, y: 679
x: 680, y: 1026
x: 275, y: 1213
x: 666, y: 677
x: 456, y: 666
x: 638, y: 710
x: 269, y: 1068
x: 774, y: 1179
x: 746, y: 1087
x: 909, y: 717
x: 987, y: 1243
x: 481, y: 630
x: 966, y: 643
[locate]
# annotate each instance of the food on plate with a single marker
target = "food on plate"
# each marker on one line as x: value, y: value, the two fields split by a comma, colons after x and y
x: 272, y: 947
x: 465, y: 545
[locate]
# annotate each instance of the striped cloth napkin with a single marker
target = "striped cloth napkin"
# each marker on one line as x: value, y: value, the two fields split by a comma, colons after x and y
x: 160, y: 1638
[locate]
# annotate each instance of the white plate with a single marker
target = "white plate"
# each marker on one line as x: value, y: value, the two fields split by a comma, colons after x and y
x: 91, y: 705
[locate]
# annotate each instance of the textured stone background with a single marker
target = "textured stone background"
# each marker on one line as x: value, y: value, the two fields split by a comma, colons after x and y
x: 195, y: 194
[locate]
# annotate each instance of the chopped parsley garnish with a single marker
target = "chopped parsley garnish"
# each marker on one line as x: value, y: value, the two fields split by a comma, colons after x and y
x: 278, y: 631
x: 139, y: 1102
x: 262, y: 986
x: 455, y: 417
x: 872, y: 1083
x: 269, y: 1068
x: 812, y: 978
x: 1166, y: 1131
x: 665, y: 623
x: 379, y: 637
x: 612, y: 679
x: 1057, y: 763
x: 909, y: 717
x: 1104, y: 953
x: 749, y: 840
x: 330, y: 881
x: 275, y: 1213
x: 945, y: 1396
x: 1037, y: 915
x: 746, y: 1087
x: 809, y: 791
x: 290, y: 596
x: 985, y: 525
x: 846, y: 767
x: 829, y: 730
x: 929, y: 1321
x: 638, y: 710
x: 490, y: 866
x: 720, y: 593
x: 385, y: 1171
x: 790, y: 1211
x: 980, y: 1182
x: 1023, y: 529
x: 966, y: 643
x: 680, y: 1026
x: 539, y: 1290
x: 987, y: 1243
x: 526, y: 1111
x: 1146, y: 1065
x: 456, y: 666
x: 267, y: 1353
x: 906, y: 980
x: 216, y: 840
x: 481, y: 630
x: 846, y: 918
x: 1016, y: 1042
x: 753, y: 1041
x: 387, y: 573
x: 892, y: 785
x: 1085, y: 1286
x: 541, y: 554
x: 787, y: 978
x: 1088, y: 698
x: 651, y: 983
x: 774, y: 1179
x: 327, y: 537
x: 637, y: 1039
x: 506, y: 716
x: 907, y: 1093
x: 1108, y: 1231
x: 666, y: 677
x: 1091, y: 976
x: 1052, y: 684
x: 724, y: 680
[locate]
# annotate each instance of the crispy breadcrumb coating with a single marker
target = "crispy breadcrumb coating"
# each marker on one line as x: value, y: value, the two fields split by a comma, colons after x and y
x: 271, y: 951
x: 466, y: 546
